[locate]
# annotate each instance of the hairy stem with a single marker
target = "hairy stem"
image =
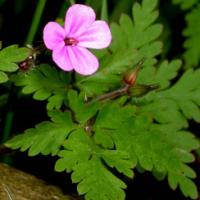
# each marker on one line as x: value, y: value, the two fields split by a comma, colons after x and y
x: 113, y: 94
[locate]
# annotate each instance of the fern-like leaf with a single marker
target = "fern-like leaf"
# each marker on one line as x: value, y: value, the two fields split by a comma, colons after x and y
x: 161, y: 147
x: 191, y: 32
x: 185, y: 4
x: 83, y: 157
x: 132, y: 40
x: 181, y: 101
x: 45, y: 82
x: 186, y: 94
x: 46, y: 137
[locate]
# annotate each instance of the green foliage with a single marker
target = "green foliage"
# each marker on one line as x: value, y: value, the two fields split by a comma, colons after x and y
x: 46, y: 83
x: 97, y: 141
x: 186, y: 4
x: 83, y: 157
x: 181, y: 101
x: 186, y: 94
x: 46, y: 137
x: 132, y: 41
x: 191, y: 32
x: 162, y: 147
x: 87, y: 152
x: 9, y: 58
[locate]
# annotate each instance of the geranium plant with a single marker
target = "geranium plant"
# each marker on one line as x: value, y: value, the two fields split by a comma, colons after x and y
x: 116, y: 104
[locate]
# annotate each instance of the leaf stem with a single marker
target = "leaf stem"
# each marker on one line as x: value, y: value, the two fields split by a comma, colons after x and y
x: 104, y: 10
x: 35, y: 22
x: 113, y: 94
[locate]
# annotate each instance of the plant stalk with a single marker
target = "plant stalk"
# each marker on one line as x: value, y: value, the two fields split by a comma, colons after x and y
x: 35, y: 22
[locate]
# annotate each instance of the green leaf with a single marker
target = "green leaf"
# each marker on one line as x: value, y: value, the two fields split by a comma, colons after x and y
x: 132, y: 40
x: 14, y: 54
x: 46, y: 137
x: 45, y: 82
x: 78, y: 150
x: 3, y: 77
x: 185, y: 4
x: 164, y: 148
x: 83, y: 111
x: 174, y: 105
x: 188, y: 188
x: 9, y: 58
x: 83, y: 157
x: 164, y: 111
x: 191, y: 32
x: 186, y: 185
x: 186, y: 94
x: 162, y: 75
x: 120, y: 160
x: 98, y: 179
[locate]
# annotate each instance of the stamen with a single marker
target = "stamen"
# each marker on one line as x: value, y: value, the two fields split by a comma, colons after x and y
x: 70, y: 41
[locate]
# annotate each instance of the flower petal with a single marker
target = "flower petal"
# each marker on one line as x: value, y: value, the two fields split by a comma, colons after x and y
x: 97, y: 36
x: 78, y: 19
x: 53, y: 35
x: 61, y: 57
x: 83, y: 61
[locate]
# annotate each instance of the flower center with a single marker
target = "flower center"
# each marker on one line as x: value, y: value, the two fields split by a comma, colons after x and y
x: 70, y: 41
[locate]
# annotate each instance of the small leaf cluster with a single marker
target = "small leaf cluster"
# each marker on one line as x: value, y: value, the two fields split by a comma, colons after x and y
x: 9, y: 59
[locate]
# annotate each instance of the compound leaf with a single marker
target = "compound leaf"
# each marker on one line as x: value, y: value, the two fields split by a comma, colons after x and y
x: 186, y: 94
x: 47, y: 137
x: 192, y: 54
x: 45, y: 82
x: 132, y: 40
x: 83, y: 158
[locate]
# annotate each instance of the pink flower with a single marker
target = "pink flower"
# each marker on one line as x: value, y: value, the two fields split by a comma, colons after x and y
x: 69, y: 44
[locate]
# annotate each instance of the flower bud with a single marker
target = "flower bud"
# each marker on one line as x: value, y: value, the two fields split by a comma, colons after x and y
x: 131, y: 76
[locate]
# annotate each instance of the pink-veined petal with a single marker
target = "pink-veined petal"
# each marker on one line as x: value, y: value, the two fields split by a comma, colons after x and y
x: 78, y: 19
x: 53, y: 35
x: 83, y: 61
x: 97, y: 36
x: 61, y: 58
